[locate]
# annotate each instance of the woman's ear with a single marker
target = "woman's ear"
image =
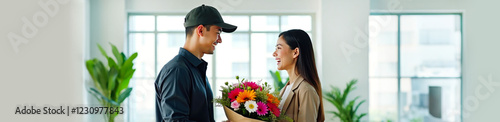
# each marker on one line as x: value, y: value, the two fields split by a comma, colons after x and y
x: 199, y: 30
x: 296, y: 52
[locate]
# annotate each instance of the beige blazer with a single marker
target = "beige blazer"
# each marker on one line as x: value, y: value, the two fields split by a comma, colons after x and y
x: 302, y: 103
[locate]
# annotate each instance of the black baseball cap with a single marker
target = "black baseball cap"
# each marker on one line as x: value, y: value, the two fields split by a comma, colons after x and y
x: 207, y: 15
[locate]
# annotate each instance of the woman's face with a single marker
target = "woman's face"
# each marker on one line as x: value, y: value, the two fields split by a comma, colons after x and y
x: 285, y: 57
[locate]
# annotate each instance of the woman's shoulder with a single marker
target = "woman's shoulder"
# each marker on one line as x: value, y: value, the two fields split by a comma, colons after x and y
x: 306, y: 87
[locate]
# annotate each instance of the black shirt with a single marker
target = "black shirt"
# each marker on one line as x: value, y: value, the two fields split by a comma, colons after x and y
x: 182, y: 90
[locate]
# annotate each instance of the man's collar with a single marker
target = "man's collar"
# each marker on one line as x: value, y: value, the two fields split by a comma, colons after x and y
x: 190, y: 57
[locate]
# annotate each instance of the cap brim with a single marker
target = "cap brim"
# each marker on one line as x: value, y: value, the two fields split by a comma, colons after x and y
x: 228, y: 28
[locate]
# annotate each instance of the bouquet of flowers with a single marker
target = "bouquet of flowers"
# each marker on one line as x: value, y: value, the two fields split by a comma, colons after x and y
x: 247, y: 100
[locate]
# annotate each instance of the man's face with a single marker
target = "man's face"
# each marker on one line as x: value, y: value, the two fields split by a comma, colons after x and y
x: 210, y: 39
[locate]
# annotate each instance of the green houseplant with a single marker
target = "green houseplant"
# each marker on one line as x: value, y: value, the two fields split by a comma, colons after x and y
x: 346, y: 109
x: 111, y: 80
x: 278, y: 83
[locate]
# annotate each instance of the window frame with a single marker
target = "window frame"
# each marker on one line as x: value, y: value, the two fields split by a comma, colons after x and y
x: 399, y: 14
x: 213, y: 77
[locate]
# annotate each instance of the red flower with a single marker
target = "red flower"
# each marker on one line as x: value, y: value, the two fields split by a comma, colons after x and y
x: 252, y: 85
x: 232, y: 95
x: 272, y: 99
x: 274, y: 109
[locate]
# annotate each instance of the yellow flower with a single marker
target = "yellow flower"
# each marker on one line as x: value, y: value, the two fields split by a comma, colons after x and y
x: 246, y: 96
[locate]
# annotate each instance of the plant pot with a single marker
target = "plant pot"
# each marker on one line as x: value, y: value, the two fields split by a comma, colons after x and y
x: 235, y: 117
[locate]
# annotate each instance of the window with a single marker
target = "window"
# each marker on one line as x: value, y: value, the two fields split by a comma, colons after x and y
x: 247, y: 52
x: 410, y: 56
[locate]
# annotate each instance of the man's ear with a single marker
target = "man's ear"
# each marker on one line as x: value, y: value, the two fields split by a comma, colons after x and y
x: 199, y: 30
x: 296, y: 52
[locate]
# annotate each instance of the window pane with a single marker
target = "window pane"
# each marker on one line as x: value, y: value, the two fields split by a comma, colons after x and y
x: 219, y: 114
x: 232, y: 56
x: 265, y: 23
x: 208, y: 59
x: 383, y: 99
x: 144, y: 45
x: 141, y: 23
x: 383, y: 51
x: 296, y: 22
x: 430, y: 46
x: 416, y: 99
x: 142, y: 100
x: 232, y: 60
x: 171, y: 23
x: 168, y: 46
x: 240, y: 21
x: 263, y: 46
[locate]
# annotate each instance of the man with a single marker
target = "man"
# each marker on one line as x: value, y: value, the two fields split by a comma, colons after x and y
x: 183, y: 92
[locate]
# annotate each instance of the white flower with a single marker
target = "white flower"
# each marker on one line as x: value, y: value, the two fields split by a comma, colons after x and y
x: 251, y: 106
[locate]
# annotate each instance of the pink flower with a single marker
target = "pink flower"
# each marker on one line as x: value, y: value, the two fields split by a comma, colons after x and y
x: 236, y: 84
x: 275, y: 110
x: 235, y: 105
x: 261, y: 109
x: 252, y: 85
x: 232, y: 95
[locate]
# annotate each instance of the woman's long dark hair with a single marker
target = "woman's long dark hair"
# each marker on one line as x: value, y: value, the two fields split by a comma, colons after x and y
x: 306, y: 63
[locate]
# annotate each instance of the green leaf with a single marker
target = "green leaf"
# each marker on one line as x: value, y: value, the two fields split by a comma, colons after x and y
x: 95, y: 92
x: 361, y: 116
x: 340, y: 116
x: 359, y: 104
x: 102, y: 51
x: 124, y: 83
x: 128, y: 65
x: 348, y: 89
x: 117, y: 54
x: 278, y: 83
x: 124, y: 95
x: 124, y: 57
x: 113, y: 74
x: 111, y: 81
x: 90, y: 68
x: 112, y: 63
x: 278, y: 75
x: 102, y: 74
x: 95, y: 95
x: 349, y: 109
x: 346, y: 111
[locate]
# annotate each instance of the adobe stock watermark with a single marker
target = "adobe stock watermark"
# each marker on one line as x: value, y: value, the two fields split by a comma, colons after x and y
x: 482, y: 92
x: 40, y: 19
x: 361, y: 38
x: 226, y: 5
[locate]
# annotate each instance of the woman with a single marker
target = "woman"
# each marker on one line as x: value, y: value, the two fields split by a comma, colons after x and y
x: 301, y: 97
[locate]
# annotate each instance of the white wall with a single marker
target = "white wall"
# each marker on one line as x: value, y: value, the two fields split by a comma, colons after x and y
x: 224, y: 6
x: 47, y: 70
x: 345, y: 48
x: 108, y: 24
x: 480, y: 51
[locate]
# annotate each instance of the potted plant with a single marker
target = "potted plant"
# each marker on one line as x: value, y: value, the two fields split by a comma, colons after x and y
x: 346, y: 109
x: 111, y: 80
x: 278, y: 83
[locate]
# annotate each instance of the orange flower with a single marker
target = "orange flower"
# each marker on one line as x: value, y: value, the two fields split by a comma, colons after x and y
x: 245, y: 96
x: 272, y: 99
